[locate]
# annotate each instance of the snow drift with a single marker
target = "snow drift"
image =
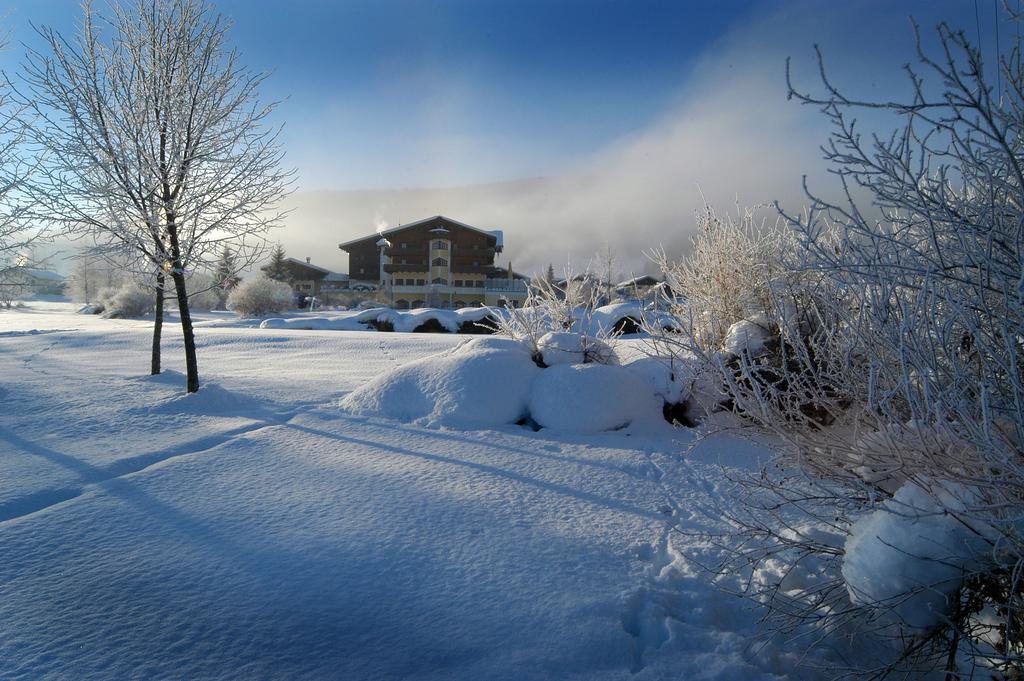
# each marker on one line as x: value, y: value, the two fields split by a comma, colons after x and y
x: 589, y: 398
x: 483, y: 383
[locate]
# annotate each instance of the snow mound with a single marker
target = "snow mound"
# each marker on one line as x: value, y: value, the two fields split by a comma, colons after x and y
x: 565, y: 347
x: 913, y: 553
x: 748, y: 337
x: 476, y: 385
x: 616, y: 318
x: 491, y: 343
x: 590, y: 398
x: 670, y: 379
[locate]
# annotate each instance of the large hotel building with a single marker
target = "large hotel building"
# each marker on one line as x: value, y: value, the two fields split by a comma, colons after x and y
x: 435, y: 262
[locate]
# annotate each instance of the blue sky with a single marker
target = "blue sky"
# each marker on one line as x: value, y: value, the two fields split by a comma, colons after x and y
x: 633, y: 112
x: 397, y: 93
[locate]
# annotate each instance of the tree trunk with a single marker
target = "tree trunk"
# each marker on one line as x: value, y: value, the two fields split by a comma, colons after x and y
x: 158, y: 324
x: 188, y: 336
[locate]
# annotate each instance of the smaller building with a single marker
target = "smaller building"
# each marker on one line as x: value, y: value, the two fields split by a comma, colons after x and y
x: 312, y: 280
x: 21, y: 280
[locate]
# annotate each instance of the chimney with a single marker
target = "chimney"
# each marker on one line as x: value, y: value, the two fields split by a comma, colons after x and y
x: 307, y: 259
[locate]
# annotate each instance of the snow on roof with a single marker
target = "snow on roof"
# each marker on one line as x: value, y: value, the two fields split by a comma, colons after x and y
x: 642, y: 280
x: 296, y: 261
x: 43, y: 274
x: 496, y: 233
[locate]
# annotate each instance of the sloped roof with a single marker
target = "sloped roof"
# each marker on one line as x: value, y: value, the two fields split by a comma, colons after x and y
x: 642, y: 280
x: 496, y: 233
x: 42, y: 274
x: 303, y: 263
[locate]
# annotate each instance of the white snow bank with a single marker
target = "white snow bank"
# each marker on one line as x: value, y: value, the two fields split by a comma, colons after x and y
x: 565, y: 347
x: 400, y: 320
x: 478, y: 384
x: 912, y: 553
x: 602, y: 321
x: 589, y: 398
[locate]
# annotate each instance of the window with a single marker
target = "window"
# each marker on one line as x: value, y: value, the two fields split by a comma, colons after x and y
x: 476, y: 247
x: 439, y: 280
x: 476, y: 263
x: 440, y: 246
x: 402, y: 304
x: 362, y: 270
x: 457, y: 283
x: 479, y: 283
x: 403, y: 245
x: 439, y: 262
x: 421, y: 282
x: 399, y: 282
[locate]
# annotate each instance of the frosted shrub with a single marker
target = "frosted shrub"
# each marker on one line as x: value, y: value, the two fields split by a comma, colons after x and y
x: 734, y: 272
x: 553, y: 318
x: 259, y: 296
x: 742, y: 311
x: 917, y: 358
x: 130, y: 301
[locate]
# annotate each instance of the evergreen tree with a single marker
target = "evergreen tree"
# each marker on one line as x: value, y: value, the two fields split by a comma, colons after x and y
x: 225, y: 276
x: 550, y: 275
x: 277, y: 269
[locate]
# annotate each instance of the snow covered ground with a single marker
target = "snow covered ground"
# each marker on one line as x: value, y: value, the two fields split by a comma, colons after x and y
x: 257, y: 530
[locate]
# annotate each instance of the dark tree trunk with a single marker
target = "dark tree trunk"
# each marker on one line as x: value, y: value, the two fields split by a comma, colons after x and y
x: 158, y: 325
x: 188, y: 336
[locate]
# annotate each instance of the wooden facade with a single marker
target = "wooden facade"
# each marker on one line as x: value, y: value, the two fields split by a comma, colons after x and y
x: 435, y: 262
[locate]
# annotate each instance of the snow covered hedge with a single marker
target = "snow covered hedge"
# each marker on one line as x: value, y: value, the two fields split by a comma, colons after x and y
x: 603, y: 321
x: 495, y: 381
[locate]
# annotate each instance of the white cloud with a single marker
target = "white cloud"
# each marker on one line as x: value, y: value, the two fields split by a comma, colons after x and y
x: 732, y: 136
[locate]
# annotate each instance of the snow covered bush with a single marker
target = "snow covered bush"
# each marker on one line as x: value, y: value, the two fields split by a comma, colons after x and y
x: 485, y: 382
x: 741, y: 312
x: 259, y: 296
x: 735, y: 271
x: 590, y: 398
x: 901, y: 408
x: 493, y: 381
x: 551, y: 309
x: 565, y: 347
x: 130, y: 301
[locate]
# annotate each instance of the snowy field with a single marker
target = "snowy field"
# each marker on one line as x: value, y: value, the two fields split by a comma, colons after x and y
x: 256, y: 530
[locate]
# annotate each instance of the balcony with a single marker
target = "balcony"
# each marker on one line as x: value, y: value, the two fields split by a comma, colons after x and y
x: 505, y: 286
x: 393, y: 267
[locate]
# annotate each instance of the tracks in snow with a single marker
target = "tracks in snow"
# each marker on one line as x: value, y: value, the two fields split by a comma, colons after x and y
x: 665, y: 593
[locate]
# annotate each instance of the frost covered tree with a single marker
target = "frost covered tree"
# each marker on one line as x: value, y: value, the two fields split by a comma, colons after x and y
x: 15, y: 169
x: 900, y: 515
x: 225, y: 276
x: 156, y: 141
